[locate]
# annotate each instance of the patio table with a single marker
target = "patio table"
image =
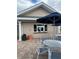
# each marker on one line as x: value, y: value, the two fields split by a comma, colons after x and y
x: 51, y: 44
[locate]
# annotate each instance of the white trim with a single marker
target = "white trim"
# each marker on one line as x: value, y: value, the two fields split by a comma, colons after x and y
x: 20, y: 31
x: 24, y: 18
x: 42, y: 4
x: 43, y: 26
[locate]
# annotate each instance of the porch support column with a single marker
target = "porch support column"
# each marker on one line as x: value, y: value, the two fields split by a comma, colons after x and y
x: 20, y: 31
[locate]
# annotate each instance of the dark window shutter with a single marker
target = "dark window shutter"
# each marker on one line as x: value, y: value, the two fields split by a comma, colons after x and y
x: 35, y: 28
x: 45, y: 27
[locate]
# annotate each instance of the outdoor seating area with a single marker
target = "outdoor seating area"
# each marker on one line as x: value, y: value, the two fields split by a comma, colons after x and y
x: 35, y: 50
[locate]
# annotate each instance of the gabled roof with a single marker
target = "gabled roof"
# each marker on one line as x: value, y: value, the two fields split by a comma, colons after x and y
x: 41, y: 4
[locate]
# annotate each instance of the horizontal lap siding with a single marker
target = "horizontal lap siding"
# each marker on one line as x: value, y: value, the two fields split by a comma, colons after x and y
x: 28, y: 29
x: 36, y: 12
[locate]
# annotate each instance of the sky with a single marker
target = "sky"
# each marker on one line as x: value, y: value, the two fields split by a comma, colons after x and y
x: 23, y: 4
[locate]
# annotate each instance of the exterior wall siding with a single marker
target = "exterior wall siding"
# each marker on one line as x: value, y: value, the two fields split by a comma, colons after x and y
x: 28, y: 29
x: 37, y: 12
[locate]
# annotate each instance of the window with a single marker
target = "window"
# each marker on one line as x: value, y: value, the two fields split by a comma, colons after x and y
x: 40, y: 28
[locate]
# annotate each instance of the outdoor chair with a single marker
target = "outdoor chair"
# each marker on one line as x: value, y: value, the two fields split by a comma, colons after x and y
x: 56, y: 55
x: 41, y: 51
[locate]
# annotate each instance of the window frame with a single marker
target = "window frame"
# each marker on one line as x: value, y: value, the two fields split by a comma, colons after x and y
x: 40, y: 26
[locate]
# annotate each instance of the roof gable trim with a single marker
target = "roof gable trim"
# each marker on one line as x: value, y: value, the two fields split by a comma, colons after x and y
x: 42, y: 4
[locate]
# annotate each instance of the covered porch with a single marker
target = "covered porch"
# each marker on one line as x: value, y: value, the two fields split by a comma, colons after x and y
x: 19, y: 25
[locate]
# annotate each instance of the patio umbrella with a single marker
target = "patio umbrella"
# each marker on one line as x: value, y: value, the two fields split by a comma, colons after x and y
x: 53, y: 18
